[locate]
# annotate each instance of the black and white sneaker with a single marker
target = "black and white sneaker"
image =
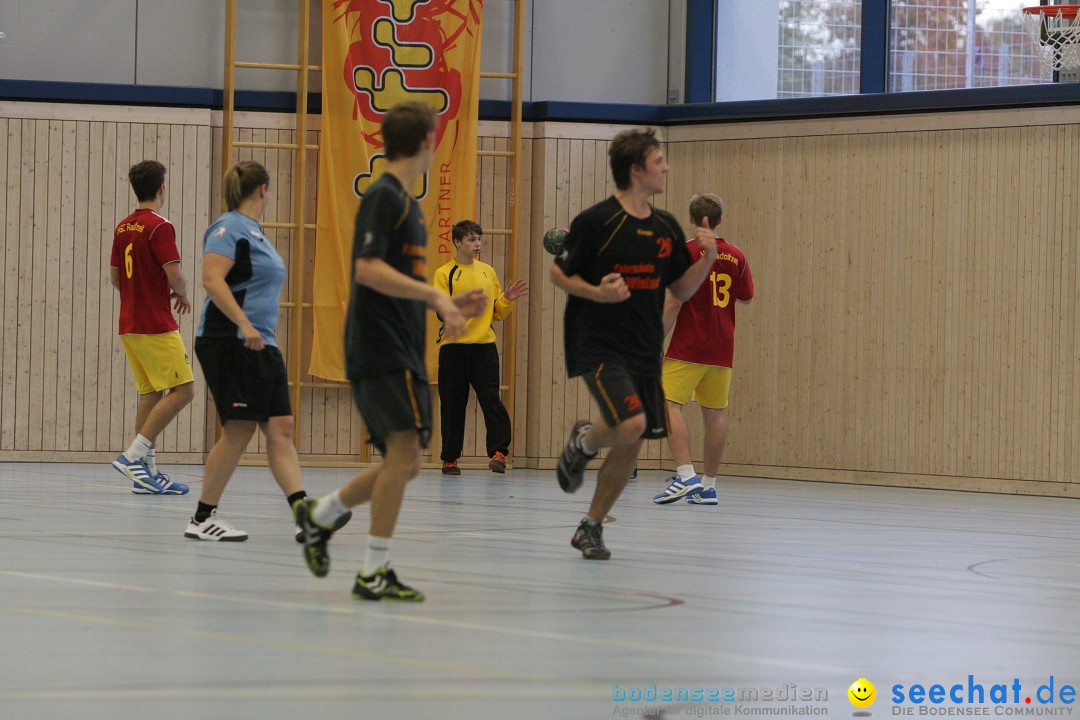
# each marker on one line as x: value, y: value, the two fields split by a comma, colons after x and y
x: 214, y: 528
x: 589, y: 539
x: 571, y: 468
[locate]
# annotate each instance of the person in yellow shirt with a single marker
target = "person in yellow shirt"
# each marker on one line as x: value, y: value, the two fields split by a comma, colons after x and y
x: 472, y: 358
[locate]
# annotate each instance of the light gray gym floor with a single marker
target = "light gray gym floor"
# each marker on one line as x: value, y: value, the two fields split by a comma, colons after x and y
x: 107, y: 611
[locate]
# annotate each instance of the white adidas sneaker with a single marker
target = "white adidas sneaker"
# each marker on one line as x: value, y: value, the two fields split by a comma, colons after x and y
x: 214, y: 528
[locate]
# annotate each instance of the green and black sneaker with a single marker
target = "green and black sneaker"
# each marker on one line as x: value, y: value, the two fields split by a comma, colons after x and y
x: 384, y: 585
x: 314, y: 537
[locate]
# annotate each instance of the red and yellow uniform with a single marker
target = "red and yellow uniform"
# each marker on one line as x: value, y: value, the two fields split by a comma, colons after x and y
x: 143, y: 245
x: 698, y: 359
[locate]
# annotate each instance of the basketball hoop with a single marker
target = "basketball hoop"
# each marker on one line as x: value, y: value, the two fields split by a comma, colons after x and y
x: 1056, y: 33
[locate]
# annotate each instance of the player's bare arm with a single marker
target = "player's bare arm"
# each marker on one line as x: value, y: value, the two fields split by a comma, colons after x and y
x: 612, y: 287
x: 685, y: 287
x: 672, y: 305
x: 472, y: 303
x: 381, y: 277
x: 215, y: 268
x: 178, y: 286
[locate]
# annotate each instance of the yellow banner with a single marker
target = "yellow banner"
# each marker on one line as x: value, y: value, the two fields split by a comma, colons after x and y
x: 377, y: 53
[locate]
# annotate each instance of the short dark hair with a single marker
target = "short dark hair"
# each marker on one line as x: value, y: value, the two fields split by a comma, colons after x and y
x: 630, y: 148
x: 707, y: 209
x: 404, y: 128
x: 146, y: 179
x: 464, y: 229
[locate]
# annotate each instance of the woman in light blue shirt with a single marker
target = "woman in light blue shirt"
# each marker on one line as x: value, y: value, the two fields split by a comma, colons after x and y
x: 236, y: 344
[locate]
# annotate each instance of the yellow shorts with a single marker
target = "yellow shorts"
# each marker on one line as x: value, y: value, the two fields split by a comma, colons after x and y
x: 708, y: 384
x: 158, y: 362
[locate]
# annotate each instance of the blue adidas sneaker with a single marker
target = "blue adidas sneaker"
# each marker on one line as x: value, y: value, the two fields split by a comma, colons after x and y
x: 678, y: 488
x: 165, y: 486
x: 705, y: 497
x: 143, y: 483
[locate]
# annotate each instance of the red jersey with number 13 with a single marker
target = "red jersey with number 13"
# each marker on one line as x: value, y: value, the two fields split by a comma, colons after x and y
x: 144, y: 244
x: 705, y: 329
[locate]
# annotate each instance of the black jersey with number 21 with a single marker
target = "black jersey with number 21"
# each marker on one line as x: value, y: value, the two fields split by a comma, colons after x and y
x: 650, y: 254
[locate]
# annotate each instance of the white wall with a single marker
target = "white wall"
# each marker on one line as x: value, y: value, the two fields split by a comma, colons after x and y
x: 600, y: 50
x: 584, y: 50
x: 747, y: 43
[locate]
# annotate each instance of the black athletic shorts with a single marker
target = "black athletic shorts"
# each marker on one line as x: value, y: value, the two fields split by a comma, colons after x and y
x: 246, y: 384
x: 621, y: 395
x: 392, y: 403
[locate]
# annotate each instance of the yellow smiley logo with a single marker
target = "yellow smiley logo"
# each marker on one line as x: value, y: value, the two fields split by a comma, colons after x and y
x: 862, y: 693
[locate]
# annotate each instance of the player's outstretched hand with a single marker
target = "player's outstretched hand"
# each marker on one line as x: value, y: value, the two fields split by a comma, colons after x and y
x: 472, y: 303
x: 516, y: 289
x: 613, y: 288
x: 181, y: 304
x: 706, y: 239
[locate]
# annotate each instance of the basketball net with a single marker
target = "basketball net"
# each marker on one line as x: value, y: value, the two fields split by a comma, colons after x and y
x: 1055, y: 31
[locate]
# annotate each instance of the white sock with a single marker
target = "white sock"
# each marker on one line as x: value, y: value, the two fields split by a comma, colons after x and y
x: 378, y: 554
x: 328, y: 509
x: 581, y: 442
x: 138, y: 450
x: 151, y: 461
x: 708, y: 481
x: 685, y: 472
x: 589, y: 521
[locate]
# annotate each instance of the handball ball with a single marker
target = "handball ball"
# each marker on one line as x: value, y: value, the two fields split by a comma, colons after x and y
x: 554, y: 239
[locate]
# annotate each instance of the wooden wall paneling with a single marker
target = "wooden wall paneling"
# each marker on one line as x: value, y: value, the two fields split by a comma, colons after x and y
x: 11, y: 141
x: 201, y: 214
x: 919, y: 287
x: 184, y: 172
x: 541, y: 355
x: 563, y: 389
x: 102, y: 189
x: 1016, y: 275
x: 1003, y: 373
x: 936, y: 271
x: 499, y: 248
x: 1070, y: 346
x: 117, y: 402
x: 39, y: 349
x: 916, y: 313
x: 73, y: 291
x: 27, y: 242
x: 1062, y: 197
x: 1038, y: 288
x: 527, y: 242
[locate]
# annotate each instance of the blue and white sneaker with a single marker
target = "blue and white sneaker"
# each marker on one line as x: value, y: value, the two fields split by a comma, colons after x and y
x: 143, y: 483
x: 165, y: 486
x: 705, y: 497
x: 678, y: 488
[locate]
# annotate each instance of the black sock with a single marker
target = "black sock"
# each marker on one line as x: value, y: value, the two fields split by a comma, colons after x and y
x: 299, y: 495
x: 203, y: 511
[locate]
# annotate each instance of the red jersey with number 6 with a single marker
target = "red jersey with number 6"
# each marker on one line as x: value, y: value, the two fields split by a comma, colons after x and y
x: 705, y: 329
x: 144, y: 244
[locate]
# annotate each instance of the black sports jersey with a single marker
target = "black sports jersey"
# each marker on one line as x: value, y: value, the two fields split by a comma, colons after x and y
x: 650, y: 254
x: 382, y: 333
